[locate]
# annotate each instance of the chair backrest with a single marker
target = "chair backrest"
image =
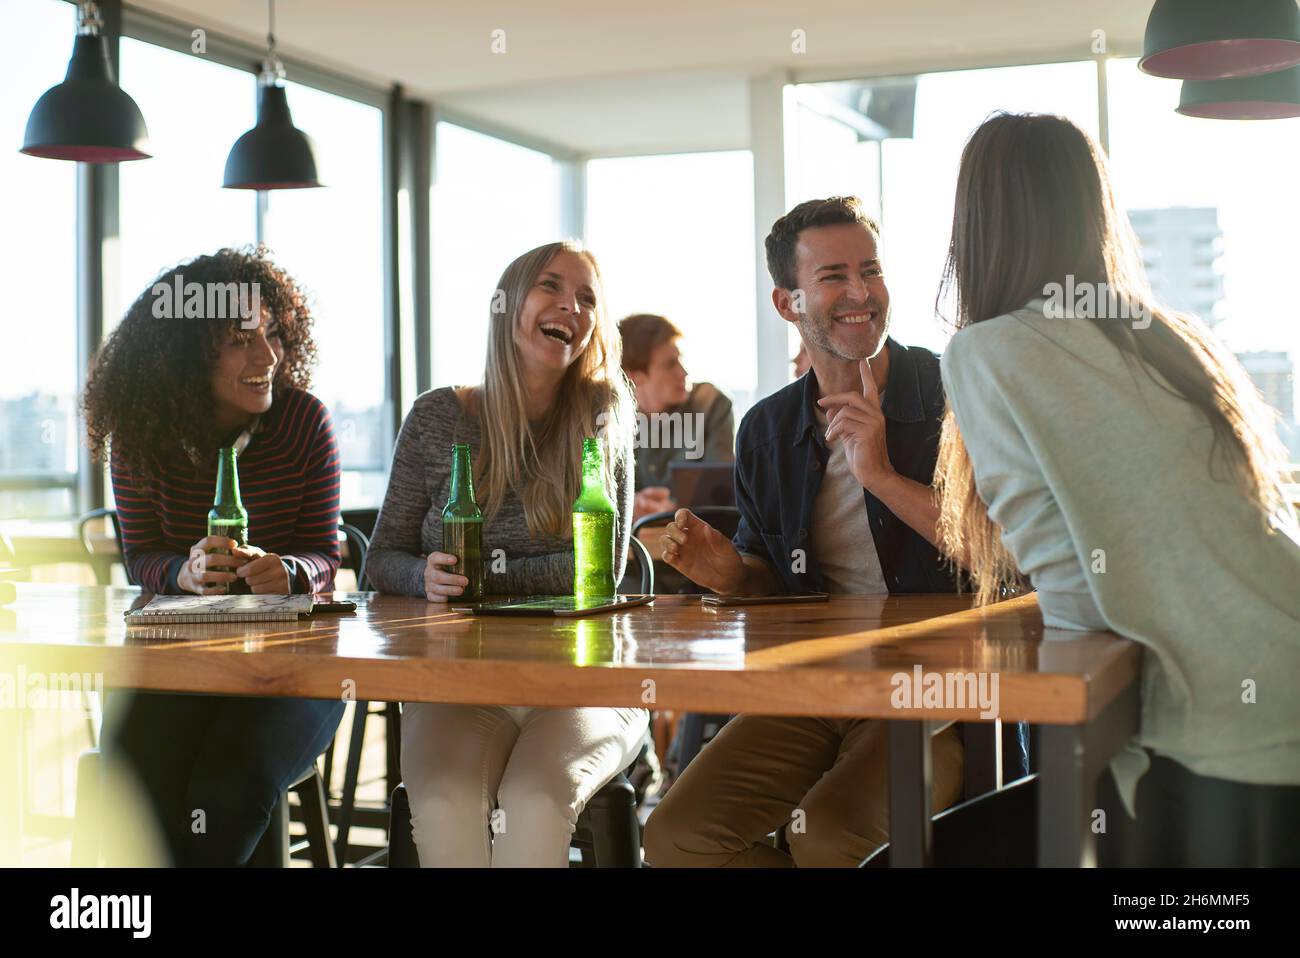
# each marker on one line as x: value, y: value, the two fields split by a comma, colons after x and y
x: 362, y: 519
x: 358, y: 548
x: 726, y: 519
x: 83, y: 523
x: 647, y: 565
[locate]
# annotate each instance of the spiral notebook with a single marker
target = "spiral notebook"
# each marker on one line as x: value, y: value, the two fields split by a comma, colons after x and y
x: 169, y: 609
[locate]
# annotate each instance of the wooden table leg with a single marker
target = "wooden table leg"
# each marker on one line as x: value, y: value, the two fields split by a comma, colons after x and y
x: 911, y: 784
x: 1071, y: 759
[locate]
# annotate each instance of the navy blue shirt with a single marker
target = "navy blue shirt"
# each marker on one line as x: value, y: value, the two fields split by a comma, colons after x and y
x: 781, y: 456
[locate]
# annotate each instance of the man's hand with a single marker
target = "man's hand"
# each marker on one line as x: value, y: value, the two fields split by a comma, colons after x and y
x: 650, y: 500
x: 702, y: 553
x: 439, y: 584
x: 263, y: 571
x: 856, y: 419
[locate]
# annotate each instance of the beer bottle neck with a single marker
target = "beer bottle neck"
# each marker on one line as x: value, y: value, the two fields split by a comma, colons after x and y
x: 593, y: 465
x: 227, y: 479
x: 462, y: 477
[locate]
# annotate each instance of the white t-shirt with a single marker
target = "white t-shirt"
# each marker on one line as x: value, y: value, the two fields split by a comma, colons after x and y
x: 841, y: 529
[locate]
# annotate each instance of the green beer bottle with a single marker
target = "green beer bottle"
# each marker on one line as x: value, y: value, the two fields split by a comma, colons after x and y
x: 594, y: 521
x: 227, y: 517
x: 462, y: 525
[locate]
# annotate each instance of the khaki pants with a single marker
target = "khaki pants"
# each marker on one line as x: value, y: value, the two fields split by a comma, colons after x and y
x: 761, y: 772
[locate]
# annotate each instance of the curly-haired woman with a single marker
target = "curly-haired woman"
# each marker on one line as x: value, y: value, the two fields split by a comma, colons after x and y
x: 165, y: 392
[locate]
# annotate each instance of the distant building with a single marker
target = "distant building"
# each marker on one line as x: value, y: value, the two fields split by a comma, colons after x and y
x: 361, y: 437
x: 1179, y: 248
x: 35, y: 433
x: 1273, y: 373
x: 37, y: 446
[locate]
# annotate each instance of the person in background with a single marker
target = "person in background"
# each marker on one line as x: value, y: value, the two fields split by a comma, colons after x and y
x: 835, y: 468
x: 1116, y: 453
x: 500, y: 785
x: 652, y: 359
x: 164, y: 394
x: 801, y: 362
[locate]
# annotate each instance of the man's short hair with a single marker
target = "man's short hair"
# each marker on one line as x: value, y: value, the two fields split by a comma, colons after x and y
x: 642, y: 334
x: 784, y: 237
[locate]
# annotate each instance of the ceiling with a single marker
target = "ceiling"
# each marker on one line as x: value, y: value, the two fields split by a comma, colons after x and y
x: 612, y: 76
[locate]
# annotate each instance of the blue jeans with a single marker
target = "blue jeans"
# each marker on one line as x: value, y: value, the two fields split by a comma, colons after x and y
x: 213, y: 766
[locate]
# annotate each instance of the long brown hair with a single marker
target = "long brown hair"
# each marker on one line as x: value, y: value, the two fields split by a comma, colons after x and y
x: 1034, y: 206
x: 543, y: 463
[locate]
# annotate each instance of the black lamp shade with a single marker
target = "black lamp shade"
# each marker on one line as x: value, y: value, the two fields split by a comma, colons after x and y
x: 274, y: 154
x: 87, y: 117
x: 1212, y: 39
x: 1273, y: 96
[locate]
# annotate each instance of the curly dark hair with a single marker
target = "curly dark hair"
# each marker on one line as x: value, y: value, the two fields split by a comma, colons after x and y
x: 149, y: 391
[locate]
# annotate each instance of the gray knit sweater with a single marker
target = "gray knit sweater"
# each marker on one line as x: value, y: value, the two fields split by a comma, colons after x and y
x: 410, y: 523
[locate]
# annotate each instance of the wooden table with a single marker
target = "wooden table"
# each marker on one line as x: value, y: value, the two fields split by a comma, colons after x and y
x: 836, y: 658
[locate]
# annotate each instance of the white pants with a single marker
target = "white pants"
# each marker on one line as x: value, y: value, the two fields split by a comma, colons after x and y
x: 502, y: 786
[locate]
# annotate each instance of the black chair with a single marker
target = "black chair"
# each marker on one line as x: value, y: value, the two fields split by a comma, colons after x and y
x: 357, y: 525
x: 83, y: 524
x: 274, y: 849
x: 994, y: 754
x: 363, y: 519
x: 998, y: 830
x: 726, y: 519
x: 355, y: 560
x: 645, y: 565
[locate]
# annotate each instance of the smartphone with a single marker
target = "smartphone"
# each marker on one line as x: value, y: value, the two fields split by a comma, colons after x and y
x: 780, y: 598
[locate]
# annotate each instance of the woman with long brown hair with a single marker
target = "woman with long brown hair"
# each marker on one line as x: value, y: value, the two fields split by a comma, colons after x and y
x: 504, y: 785
x: 1114, y: 452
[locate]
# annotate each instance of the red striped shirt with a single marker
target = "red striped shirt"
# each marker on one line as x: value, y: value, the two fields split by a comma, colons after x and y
x: 289, y: 483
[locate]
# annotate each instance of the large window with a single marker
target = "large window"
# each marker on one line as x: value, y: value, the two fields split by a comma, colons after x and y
x: 830, y: 150
x: 920, y: 173
x: 172, y: 206
x: 331, y: 241
x: 38, y: 425
x: 493, y: 200
x: 897, y: 143
x: 675, y: 236
x: 1215, y: 204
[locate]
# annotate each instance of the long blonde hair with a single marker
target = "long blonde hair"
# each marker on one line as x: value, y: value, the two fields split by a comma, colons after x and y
x: 1034, y: 204
x: 542, y: 462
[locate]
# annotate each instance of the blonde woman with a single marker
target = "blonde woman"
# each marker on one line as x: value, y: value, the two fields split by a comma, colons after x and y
x: 552, y: 378
x: 1115, y: 452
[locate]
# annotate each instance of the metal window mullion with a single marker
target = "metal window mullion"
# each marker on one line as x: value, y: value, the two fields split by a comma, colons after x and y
x: 417, y: 183
x: 391, y: 220
x: 97, y: 225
